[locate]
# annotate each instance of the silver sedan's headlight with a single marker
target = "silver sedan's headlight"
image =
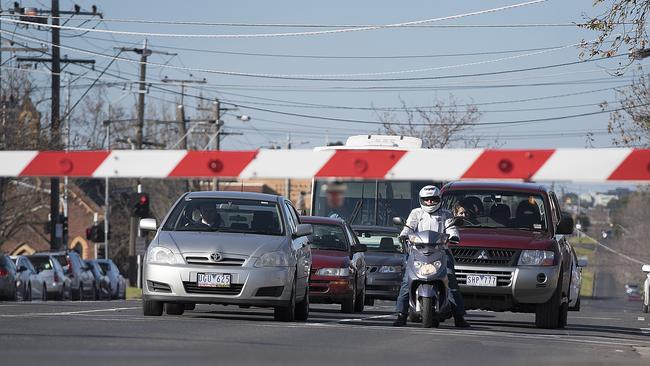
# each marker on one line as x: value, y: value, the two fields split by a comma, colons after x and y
x: 390, y: 269
x: 536, y: 258
x: 160, y: 255
x: 334, y: 272
x: 272, y: 259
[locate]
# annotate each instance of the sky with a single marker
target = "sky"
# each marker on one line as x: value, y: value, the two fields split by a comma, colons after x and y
x: 438, y: 51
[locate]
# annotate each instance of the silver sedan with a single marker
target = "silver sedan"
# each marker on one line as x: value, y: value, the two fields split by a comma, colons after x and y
x: 230, y: 248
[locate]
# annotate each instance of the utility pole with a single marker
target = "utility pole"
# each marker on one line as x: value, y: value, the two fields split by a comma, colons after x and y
x: 180, y: 109
x: 144, y: 53
x: 56, y: 227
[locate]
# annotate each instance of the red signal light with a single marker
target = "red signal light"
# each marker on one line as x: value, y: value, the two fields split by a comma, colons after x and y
x: 143, y: 199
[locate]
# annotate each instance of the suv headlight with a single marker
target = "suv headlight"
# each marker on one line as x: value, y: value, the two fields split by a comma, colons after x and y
x: 427, y: 269
x: 272, y: 259
x: 390, y: 269
x: 160, y: 255
x: 334, y: 272
x: 536, y: 258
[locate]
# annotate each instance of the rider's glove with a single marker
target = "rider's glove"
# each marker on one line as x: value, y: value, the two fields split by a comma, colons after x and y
x: 403, y: 239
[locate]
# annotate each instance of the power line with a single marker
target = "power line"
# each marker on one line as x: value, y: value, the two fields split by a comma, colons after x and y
x: 290, y: 34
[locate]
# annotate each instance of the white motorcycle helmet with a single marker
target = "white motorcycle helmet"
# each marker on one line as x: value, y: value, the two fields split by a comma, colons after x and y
x: 430, y: 199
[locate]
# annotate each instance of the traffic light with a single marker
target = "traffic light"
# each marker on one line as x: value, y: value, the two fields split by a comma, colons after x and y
x: 95, y: 233
x: 140, y: 205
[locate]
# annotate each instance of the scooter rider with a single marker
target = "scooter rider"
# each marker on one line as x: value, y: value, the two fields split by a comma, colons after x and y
x: 430, y: 216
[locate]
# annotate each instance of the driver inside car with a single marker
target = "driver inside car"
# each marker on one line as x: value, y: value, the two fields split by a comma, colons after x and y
x: 430, y: 216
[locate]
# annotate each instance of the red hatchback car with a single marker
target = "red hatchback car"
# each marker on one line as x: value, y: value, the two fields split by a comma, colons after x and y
x: 338, y: 273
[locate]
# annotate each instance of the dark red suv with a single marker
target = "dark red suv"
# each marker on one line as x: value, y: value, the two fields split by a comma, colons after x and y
x: 513, y: 254
x: 338, y: 273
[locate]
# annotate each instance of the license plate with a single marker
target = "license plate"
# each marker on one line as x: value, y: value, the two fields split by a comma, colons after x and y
x: 212, y: 280
x: 482, y: 280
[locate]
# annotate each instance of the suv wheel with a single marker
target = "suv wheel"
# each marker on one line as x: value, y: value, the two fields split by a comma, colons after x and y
x: 152, y: 308
x: 645, y: 308
x: 78, y: 295
x: 348, y: 305
x: 44, y: 294
x: 547, y: 315
x: 287, y: 313
x: 174, y: 308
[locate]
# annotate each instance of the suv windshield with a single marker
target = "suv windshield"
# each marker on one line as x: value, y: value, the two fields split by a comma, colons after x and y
x: 329, y: 237
x: 380, y: 242
x: 227, y: 215
x: 498, y: 209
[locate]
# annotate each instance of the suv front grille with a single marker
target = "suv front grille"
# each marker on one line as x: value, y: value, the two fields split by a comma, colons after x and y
x: 486, y: 257
x: 192, y: 288
x: 504, y: 278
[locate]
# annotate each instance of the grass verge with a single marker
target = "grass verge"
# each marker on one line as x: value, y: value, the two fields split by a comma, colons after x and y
x: 133, y: 293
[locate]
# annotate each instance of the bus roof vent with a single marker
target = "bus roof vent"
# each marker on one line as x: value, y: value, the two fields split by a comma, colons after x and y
x: 404, y: 142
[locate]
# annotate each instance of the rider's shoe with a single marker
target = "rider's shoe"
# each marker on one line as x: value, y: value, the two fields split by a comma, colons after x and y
x: 460, y: 322
x: 400, y: 321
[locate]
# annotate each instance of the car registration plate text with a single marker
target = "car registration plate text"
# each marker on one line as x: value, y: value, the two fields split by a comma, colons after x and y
x: 482, y: 280
x: 212, y: 280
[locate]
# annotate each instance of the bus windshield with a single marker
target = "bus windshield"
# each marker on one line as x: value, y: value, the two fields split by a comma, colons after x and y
x: 368, y: 202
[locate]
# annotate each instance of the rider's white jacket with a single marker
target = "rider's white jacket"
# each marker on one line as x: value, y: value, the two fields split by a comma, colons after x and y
x: 420, y: 221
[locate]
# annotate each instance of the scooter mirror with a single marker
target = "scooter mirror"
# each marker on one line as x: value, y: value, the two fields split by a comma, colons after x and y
x: 398, y: 221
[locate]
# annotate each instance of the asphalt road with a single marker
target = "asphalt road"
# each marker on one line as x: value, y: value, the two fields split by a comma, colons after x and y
x: 607, y: 331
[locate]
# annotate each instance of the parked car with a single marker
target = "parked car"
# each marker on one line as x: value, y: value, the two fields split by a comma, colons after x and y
x: 8, y: 279
x: 102, y: 282
x: 646, y: 288
x: 231, y: 248
x: 55, y: 283
x: 577, y: 264
x: 384, y: 261
x: 633, y: 292
x: 81, y: 277
x: 513, y: 253
x: 118, y: 282
x: 338, y: 272
x: 29, y: 282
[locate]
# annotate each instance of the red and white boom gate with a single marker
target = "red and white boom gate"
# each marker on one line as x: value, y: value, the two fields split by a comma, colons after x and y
x: 578, y: 165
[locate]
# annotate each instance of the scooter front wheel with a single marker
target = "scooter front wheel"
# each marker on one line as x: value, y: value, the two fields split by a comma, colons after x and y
x: 429, y: 316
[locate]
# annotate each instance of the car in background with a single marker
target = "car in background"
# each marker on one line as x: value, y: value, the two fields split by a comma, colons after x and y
x: 118, y: 282
x: 338, y: 273
x: 513, y: 253
x: 102, y: 282
x: 384, y: 261
x: 231, y: 248
x: 82, y: 281
x: 8, y: 278
x: 55, y: 283
x: 29, y: 282
x: 577, y: 264
x: 633, y: 292
x: 646, y: 288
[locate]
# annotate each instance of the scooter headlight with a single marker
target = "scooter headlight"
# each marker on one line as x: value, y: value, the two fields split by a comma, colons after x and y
x: 427, y: 269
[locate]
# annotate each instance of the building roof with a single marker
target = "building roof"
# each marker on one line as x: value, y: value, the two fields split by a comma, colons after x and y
x: 490, y: 185
x: 234, y: 195
x: 321, y: 220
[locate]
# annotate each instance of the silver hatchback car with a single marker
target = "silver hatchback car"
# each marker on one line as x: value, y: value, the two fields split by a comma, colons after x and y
x: 231, y: 248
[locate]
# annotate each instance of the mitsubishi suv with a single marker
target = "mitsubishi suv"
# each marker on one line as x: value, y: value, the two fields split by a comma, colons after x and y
x: 230, y: 248
x: 513, y: 254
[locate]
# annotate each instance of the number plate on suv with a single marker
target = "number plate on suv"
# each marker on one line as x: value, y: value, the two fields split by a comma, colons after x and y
x: 481, y: 280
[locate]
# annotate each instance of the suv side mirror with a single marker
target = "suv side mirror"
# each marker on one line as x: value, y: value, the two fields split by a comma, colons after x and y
x: 398, y: 221
x: 646, y: 268
x: 565, y: 226
x: 303, y: 230
x: 582, y: 263
x: 21, y: 269
x: 148, y: 224
x: 359, y: 248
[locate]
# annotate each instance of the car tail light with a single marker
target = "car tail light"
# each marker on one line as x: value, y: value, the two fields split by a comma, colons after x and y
x: 56, y: 277
x: 4, y: 272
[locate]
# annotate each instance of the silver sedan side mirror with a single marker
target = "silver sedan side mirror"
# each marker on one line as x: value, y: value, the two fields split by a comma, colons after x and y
x: 148, y: 224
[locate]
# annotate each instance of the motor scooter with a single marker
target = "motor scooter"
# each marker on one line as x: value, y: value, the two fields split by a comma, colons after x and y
x: 426, y: 267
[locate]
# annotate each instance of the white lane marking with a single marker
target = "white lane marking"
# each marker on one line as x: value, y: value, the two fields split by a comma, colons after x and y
x: 641, y: 318
x: 645, y: 330
x: 594, y: 318
x: 65, y: 312
x: 362, y: 319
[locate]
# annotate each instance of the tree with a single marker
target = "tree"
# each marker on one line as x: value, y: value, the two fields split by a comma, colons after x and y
x: 630, y: 126
x: 442, y: 125
x: 621, y: 24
